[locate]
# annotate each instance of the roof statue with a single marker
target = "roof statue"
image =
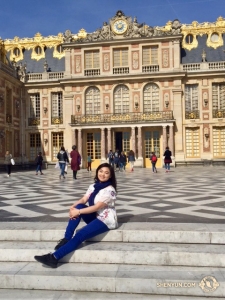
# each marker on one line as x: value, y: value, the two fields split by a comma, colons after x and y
x: 121, y: 26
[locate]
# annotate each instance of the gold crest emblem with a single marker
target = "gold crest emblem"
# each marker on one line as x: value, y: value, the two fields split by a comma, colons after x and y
x: 209, y: 284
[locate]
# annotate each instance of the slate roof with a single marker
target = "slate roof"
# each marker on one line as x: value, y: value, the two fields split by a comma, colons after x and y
x: 194, y: 56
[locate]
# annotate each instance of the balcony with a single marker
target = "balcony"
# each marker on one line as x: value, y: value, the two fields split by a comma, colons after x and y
x: 192, y: 114
x: 121, y: 70
x: 220, y: 65
x: 150, y: 69
x: 33, y: 121
x: 47, y: 76
x: 57, y: 120
x: 147, y: 117
x: 92, y: 72
x: 218, y: 113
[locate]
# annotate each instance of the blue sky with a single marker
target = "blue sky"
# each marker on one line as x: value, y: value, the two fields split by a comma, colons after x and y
x: 25, y: 18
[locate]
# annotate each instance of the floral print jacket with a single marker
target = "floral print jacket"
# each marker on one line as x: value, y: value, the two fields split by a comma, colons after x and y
x: 107, y: 214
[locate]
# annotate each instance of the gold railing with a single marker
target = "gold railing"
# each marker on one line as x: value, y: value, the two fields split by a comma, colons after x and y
x: 57, y: 120
x: 218, y: 113
x: 33, y: 121
x: 122, y: 118
x: 192, y: 114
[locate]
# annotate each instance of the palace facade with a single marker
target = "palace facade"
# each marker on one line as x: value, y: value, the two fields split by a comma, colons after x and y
x: 124, y: 86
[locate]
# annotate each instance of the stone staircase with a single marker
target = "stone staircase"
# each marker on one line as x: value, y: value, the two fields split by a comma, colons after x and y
x: 159, y: 261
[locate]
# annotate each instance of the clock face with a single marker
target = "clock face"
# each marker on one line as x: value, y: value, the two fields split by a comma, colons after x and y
x: 119, y: 26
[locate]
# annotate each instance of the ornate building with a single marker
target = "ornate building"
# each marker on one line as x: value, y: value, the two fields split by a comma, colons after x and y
x: 125, y: 86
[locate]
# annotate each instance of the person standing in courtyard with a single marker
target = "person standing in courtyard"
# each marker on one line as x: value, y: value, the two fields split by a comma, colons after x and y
x: 167, y: 159
x: 131, y: 159
x: 122, y: 161
x: 89, y: 162
x: 153, y: 159
x: 39, y: 160
x: 99, y: 215
x: 111, y: 158
x: 75, y: 161
x: 8, y: 163
x: 63, y: 159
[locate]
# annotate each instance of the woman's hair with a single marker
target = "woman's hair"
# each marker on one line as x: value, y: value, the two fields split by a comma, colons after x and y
x: 167, y: 148
x: 39, y: 153
x: 74, y: 147
x: 112, y: 173
x: 62, y: 148
x: 131, y: 152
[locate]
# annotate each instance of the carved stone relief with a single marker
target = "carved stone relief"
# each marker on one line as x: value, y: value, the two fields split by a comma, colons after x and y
x: 135, y: 60
x: 106, y: 61
x: 165, y: 58
x: 77, y: 64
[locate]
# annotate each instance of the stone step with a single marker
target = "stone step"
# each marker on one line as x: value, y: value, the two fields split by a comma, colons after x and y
x: 122, y: 253
x: 18, y: 294
x: 130, y: 232
x: 130, y: 279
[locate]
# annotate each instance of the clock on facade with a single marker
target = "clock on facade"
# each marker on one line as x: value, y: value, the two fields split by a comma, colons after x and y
x: 119, y: 26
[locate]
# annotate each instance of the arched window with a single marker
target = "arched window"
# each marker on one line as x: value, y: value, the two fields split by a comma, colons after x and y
x: 121, y: 99
x: 151, y: 97
x: 92, y: 101
x: 38, y: 50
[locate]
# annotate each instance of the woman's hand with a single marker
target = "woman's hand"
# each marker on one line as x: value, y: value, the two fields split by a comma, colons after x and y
x: 73, y: 213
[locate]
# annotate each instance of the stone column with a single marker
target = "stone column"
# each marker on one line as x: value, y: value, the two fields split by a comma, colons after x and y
x: 178, y: 116
x: 103, y: 143
x: 176, y: 54
x: 109, y: 140
x: 133, y: 146
x: 74, y: 140
x: 80, y: 142
x: 139, y: 142
x: 171, y: 140
x: 164, y: 139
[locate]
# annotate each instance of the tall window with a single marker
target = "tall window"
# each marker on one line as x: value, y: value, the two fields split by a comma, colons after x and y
x: 35, y: 145
x: 126, y: 142
x: 35, y: 106
x: 92, y: 100
x: 151, y: 97
x: 91, y: 60
x: 218, y: 95
x: 192, y: 142
x: 57, y: 105
x: 120, y: 57
x: 152, y: 143
x: 121, y: 99
x: 9, y: 101
x: 191, y: 97
x: 219, y: 141
x: 150, y: 56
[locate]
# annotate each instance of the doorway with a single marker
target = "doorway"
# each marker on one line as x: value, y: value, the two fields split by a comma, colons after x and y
x: 119, y: 141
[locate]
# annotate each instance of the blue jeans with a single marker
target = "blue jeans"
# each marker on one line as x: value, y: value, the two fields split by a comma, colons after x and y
x: 94, y: 227
x: 167, y: 166
x: 153, y: 166
x: 38, y: 168
x: 62, y: 168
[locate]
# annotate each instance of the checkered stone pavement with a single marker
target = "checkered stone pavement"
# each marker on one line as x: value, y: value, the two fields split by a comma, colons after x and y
x: 185, y: 195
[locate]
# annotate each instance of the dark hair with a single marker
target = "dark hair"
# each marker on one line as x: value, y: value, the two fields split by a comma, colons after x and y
x: 62, y: 148
x: 167, y: 148
x: 131, y: 152
x: 74, y: 147
x: 112, y: 173
x: 39, y: 153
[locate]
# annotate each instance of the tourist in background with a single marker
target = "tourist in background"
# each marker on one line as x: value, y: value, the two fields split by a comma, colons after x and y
x: 122, y: 161
x: 100, y: 215
x: 153, y: 159
x: 63, y: 159
x: 111, y: 158
x: 131, y: 159
x: 75, y: 161
x: 167, y: 159
x: 8, y: 163
x: 89, y: 163
x: 39, y: 160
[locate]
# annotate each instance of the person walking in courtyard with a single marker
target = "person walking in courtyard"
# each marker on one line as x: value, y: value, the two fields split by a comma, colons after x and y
x: 89, y: 162
x: 8, y: 163
x: 116, y: 159
x: 153, y: 159
x: 63, y: 159
x: 111, y: 158
x: 167, y: 159
x: 75, y: 161
x: 100, y: 215
x: 122, y: 161
x: 131, y: 159
x: 39, y: 160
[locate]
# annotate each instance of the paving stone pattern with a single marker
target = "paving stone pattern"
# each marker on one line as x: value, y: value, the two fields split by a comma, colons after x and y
x: 185, y: 195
